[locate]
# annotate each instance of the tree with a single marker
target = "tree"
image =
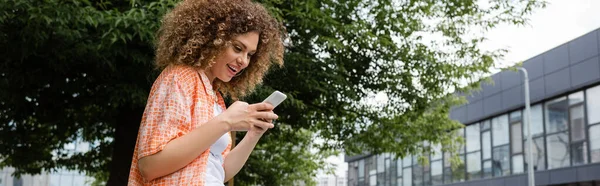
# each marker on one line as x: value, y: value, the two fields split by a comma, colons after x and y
x: 82, y: 69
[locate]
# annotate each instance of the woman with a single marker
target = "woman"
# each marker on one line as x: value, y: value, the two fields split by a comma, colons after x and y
x: 205, y: 48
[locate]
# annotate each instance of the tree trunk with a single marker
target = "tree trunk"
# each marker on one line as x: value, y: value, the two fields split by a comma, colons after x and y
x: 127, y: 126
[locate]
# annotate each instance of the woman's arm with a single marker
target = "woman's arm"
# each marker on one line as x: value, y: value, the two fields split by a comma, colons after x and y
x: 182, y: 150
x: 236, y: 159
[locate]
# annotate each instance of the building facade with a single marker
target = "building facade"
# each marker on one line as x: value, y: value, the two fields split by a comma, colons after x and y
x: 565, y: 121
x: 331, y: 180
x: 60, y: 177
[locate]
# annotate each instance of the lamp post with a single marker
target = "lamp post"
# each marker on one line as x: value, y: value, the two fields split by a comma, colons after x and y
x: 530, y: 173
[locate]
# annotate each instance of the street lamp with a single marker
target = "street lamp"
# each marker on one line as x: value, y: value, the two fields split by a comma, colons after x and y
x: 530, y: 173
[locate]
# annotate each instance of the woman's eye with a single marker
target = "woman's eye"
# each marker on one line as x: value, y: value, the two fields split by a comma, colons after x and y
x: 250, y: 56
x: 238, y: 49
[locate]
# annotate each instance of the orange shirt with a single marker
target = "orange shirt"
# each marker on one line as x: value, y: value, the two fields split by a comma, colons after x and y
x: 180, y: 100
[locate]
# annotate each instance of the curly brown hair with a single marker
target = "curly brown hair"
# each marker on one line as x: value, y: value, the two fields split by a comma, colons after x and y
x: 196, y: 31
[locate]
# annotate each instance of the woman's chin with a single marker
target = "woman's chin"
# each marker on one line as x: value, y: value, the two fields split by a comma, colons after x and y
x: 226, y: 79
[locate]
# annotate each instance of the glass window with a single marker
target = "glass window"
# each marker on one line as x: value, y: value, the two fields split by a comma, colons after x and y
x: 361, y: 169
x: 380, y: 163
x: 458, y: 174
x: 487, y: 169
x: 399, y: 167
x: 437, y: 152
x: 501, y: 161
x: 487, y: 145
x: 515, y: 116
x: 415, y: 160
x: 447, y: 159
x: 407, y: 175
x: 556, y: 115
x: 66, y: 180
x: 19, y: 181
x: 373, y: 178
x: 472, y: 139
x: 461, y: 133
x: 558, y: 150
x: 352, y: 173
x: 373, y: 164
x: 595, y: 143
x: 426, y: 179
x: 381, y: 179
x: 436, y: 173
x: 417, y: 175
x: 539, y: 163
x: 517, y: 164
x: 388, y: 165
x: 576, y: 97
x: 427, y: 167
x: 447, y: 175
x: 406, y: 161
x: 500, y: 130
x: 593, y: 104
x: 537, y: 121
x: 54, y: 179
x: 578, y: 153
x: 368, y: 166
x: 485, y: 125
x: 578, y: 143
x: 577, y: 124
x: 516, y: 139
x: 393, y: 173
x: 79, y: 180
x: 474, y: 165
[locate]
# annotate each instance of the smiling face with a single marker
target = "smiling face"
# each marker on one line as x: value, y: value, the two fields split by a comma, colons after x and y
x: 234, y: 57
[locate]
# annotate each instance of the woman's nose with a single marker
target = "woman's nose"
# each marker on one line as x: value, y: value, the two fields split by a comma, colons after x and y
x: 243, y: 61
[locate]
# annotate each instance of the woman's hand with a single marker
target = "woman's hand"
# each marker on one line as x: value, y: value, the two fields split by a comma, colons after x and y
x: 259, y: 131
x: 241, y: 116
x: 260, y: 115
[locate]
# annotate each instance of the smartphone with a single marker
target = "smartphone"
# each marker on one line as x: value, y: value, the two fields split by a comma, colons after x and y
x: 275, y: 98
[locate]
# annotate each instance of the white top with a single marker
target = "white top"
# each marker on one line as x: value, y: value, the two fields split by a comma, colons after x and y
x: 215, y: 174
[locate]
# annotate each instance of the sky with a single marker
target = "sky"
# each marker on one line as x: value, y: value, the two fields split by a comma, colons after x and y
x: 558, y: 23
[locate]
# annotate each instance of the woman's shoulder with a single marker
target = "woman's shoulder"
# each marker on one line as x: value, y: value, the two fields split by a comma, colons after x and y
x: 183, y: 76
x: 183, y: 72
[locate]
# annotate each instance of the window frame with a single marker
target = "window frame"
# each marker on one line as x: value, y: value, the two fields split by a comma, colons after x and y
x: 511, y: 133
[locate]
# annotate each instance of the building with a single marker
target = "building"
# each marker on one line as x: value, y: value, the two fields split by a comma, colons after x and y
x: 331, y: 180
x: 6, y: 179
x: 61, y: 177
x: 565, y: 120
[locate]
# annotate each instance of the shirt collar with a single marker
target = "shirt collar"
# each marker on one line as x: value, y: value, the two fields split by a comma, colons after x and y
x: 207, y: 85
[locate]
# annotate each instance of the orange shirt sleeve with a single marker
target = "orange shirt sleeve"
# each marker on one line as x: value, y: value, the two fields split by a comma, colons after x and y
x: 167, y: 113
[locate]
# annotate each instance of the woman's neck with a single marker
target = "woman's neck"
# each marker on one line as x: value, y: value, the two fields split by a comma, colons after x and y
x: 211, y: 77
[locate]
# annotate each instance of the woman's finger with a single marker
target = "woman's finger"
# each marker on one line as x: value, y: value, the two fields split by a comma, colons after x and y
x: 265, y: 115
x: 262, y: 107
x: 263, y: 124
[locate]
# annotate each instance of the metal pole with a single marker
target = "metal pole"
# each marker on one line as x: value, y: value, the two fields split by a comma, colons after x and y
x: 530, y: 173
